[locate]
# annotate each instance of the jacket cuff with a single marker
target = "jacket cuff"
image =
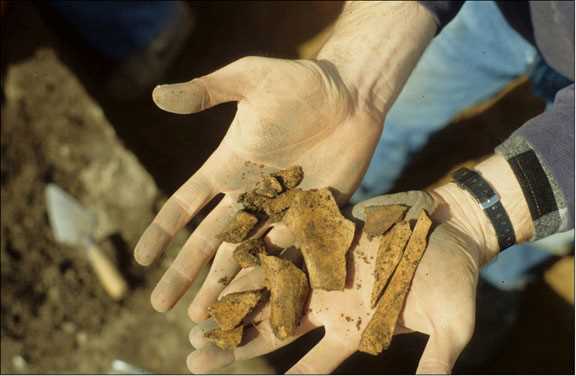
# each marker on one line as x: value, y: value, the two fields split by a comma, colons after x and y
x: 544, y: 197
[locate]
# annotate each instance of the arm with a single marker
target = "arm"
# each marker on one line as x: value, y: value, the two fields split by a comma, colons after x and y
x: 375, y: 46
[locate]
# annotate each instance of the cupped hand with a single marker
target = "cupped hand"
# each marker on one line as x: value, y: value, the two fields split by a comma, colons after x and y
x: 440, y: 302
x: 289, y: 112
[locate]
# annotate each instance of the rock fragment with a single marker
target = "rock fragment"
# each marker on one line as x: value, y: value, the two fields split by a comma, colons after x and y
x: 239, y: 227
x: 229, y: 311
x: 246, y: 254
x: 323, y: 235
x: 380, y: 218
x: 389, y: 254
x: 289, y: 291
x: 378, y: 333
x: 225, y: 339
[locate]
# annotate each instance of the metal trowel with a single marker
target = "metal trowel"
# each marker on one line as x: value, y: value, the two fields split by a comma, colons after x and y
x: 74, y: 225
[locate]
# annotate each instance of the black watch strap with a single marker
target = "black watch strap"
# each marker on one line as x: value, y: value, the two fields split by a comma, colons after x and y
x: 489, y: 200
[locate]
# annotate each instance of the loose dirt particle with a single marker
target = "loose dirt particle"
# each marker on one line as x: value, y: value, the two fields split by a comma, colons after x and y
x: 381, y: 218
x: 246, y: 254
x: 225, y: 339
x: 289, y: 291
x: 323, y: 235
x: 378, y: 334
x: 389, y: 254
x: 239, y: 227
x: 229, y: 311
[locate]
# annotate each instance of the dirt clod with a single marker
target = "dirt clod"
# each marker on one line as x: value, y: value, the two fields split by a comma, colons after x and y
x: 289, y: 291
x: 323, y: 234
x: 229, y: 311
x: 239, y: 227
x: 380, y: 218
x: 225, y: 339
x: 379, y: 331
x: 246, y: 254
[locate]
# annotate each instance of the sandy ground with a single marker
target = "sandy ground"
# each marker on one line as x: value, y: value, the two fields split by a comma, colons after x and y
x: 59, y: 126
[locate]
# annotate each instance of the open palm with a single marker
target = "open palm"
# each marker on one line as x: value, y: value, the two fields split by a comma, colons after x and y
x: 440, y: 303
x: 289, y: 113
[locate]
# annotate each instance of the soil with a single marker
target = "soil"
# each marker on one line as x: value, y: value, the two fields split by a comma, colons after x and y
x: 52, y: 131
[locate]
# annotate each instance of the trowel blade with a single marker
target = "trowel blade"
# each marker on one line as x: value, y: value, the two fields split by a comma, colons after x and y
x: 71, y: 223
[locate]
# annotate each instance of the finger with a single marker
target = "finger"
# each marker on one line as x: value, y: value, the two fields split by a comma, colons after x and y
x: 197, y: 250
x: 196, y: 335
x: 440, y: 354
x: 224, y: 268
x: 259, y: 340
x: 227, y: 84
x: 208, y: 358
x: 324, y: 358
x: 175, y: 213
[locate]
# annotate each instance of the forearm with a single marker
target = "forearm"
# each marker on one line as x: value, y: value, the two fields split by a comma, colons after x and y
x: 375, y: 45
x: 467, y: 213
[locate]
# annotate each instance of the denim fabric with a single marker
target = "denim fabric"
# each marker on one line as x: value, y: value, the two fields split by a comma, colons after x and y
x: 117, y: 28
x: 472, y: 59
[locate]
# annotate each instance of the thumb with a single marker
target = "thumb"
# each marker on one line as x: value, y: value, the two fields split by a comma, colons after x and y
x: 440, y: 355
x: 227, y: 84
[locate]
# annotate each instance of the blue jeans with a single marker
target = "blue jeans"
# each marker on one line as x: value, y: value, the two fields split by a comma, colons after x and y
x: 471, y: 60
x: 117, y: 28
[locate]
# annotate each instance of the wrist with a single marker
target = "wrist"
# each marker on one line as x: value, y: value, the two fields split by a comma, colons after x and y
x: 375, y: 45
x: 467, y: 214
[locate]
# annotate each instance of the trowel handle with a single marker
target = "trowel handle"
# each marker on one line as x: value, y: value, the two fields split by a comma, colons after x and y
x: 107, y: 273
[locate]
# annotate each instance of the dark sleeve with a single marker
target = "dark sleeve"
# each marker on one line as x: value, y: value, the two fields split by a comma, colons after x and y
x: 444, y: 11
x: 541, y: 153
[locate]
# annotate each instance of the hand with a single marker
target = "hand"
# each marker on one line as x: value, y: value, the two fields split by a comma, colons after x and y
x: 290, y: 112
x: 440, y: 303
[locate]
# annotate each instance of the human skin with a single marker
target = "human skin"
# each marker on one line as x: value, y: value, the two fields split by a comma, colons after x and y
x: 441, y: 299
x: 325, y: 115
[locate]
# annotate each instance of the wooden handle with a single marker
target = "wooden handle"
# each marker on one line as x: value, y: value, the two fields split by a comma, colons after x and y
x: 107, y: 273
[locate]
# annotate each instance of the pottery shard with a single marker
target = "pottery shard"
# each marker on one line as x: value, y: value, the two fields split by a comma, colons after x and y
x: 323, y: 235
x: 246, y: 254
x: 380, y: 218
x: 225, y: 339
x: 389, y: 254
x: 229, y: 311
x: 378, y: 333
x: 239, y: 227
x: 269, y: 186
x: 276, y: 208
x: 290, y: 177
x: 289, y: 291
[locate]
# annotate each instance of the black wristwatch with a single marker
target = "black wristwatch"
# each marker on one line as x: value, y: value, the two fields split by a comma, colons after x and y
x: 489, y: 201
